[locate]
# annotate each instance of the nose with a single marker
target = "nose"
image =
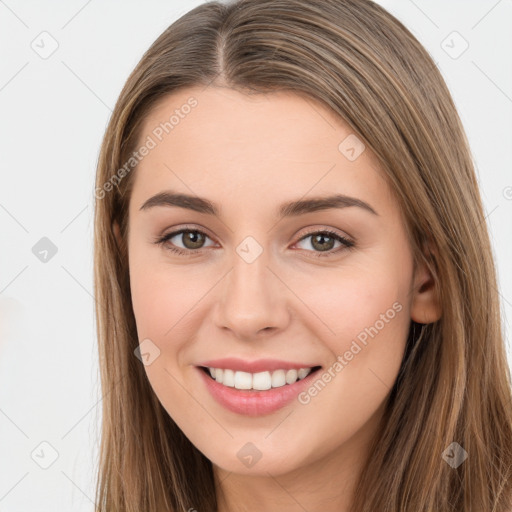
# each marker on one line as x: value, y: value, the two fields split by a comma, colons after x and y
x: 253, y: 300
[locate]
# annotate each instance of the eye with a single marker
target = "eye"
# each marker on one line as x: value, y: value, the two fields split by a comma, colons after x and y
x: 322, y: 242
x: 193, y: 240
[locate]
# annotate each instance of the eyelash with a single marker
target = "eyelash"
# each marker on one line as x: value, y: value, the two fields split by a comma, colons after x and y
x: 346, y: 243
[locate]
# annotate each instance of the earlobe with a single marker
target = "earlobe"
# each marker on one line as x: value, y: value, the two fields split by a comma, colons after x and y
x: 425, y: 307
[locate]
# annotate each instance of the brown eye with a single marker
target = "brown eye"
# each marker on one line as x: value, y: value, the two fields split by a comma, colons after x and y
x: 322, y: 242
x: 186, y: 241
x: 192, y: 239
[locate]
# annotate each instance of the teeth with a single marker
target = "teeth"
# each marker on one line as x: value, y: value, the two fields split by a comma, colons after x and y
x: 278, y: 378
x: 243, y: 380
x: 258, y: 381
x: 228, y: 378
x: 291, y: 376
x: 303, y: 372
x: 261, y: 381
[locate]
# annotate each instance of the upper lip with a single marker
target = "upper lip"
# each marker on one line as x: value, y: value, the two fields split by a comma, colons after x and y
x: 259, y: 365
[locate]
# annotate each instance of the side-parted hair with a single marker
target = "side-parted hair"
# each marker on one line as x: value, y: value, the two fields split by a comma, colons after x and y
x: 454, y: 383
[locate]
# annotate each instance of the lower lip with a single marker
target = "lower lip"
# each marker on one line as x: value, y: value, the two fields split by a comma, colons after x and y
x: 255, y: 403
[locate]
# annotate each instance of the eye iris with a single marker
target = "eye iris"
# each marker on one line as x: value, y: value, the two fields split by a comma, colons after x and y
x: 322, y: 247
x: 191, y: 236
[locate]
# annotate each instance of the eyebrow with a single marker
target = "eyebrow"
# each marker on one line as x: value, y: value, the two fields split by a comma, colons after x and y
x: 290, y: 209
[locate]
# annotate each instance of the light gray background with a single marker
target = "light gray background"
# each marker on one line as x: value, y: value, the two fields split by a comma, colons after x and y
x: 53, y: 112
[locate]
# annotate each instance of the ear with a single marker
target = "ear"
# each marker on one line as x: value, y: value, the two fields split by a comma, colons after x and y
x: 425, y: 307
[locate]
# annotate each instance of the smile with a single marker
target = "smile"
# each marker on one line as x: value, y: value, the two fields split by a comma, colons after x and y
x: 260, y: 381
x: 255, y: 394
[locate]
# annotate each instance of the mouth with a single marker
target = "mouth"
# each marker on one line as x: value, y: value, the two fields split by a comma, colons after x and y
x: 260, y: 381
x: 256, y: 394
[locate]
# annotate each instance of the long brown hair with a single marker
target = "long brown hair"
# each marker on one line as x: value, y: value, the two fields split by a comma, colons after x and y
x: 454, y: 383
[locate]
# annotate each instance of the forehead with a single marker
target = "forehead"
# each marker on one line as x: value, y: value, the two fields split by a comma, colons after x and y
x: 220, y: 142
x: 284, y: 123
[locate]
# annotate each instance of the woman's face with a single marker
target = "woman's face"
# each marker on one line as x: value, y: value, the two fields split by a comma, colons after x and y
x: 261, y: 285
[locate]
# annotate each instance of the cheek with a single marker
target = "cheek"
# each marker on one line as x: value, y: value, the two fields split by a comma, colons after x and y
x: 163, y: 296
x: 163, y: 303
x: 365, y: 313
x: 368, y: 320
x: 352, y: 301
x: 158, y: 302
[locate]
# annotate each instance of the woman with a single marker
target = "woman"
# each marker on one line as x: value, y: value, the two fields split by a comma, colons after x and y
x: 297, y: 301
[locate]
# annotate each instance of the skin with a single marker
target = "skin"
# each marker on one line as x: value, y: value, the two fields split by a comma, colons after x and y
x: 249, y: 154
